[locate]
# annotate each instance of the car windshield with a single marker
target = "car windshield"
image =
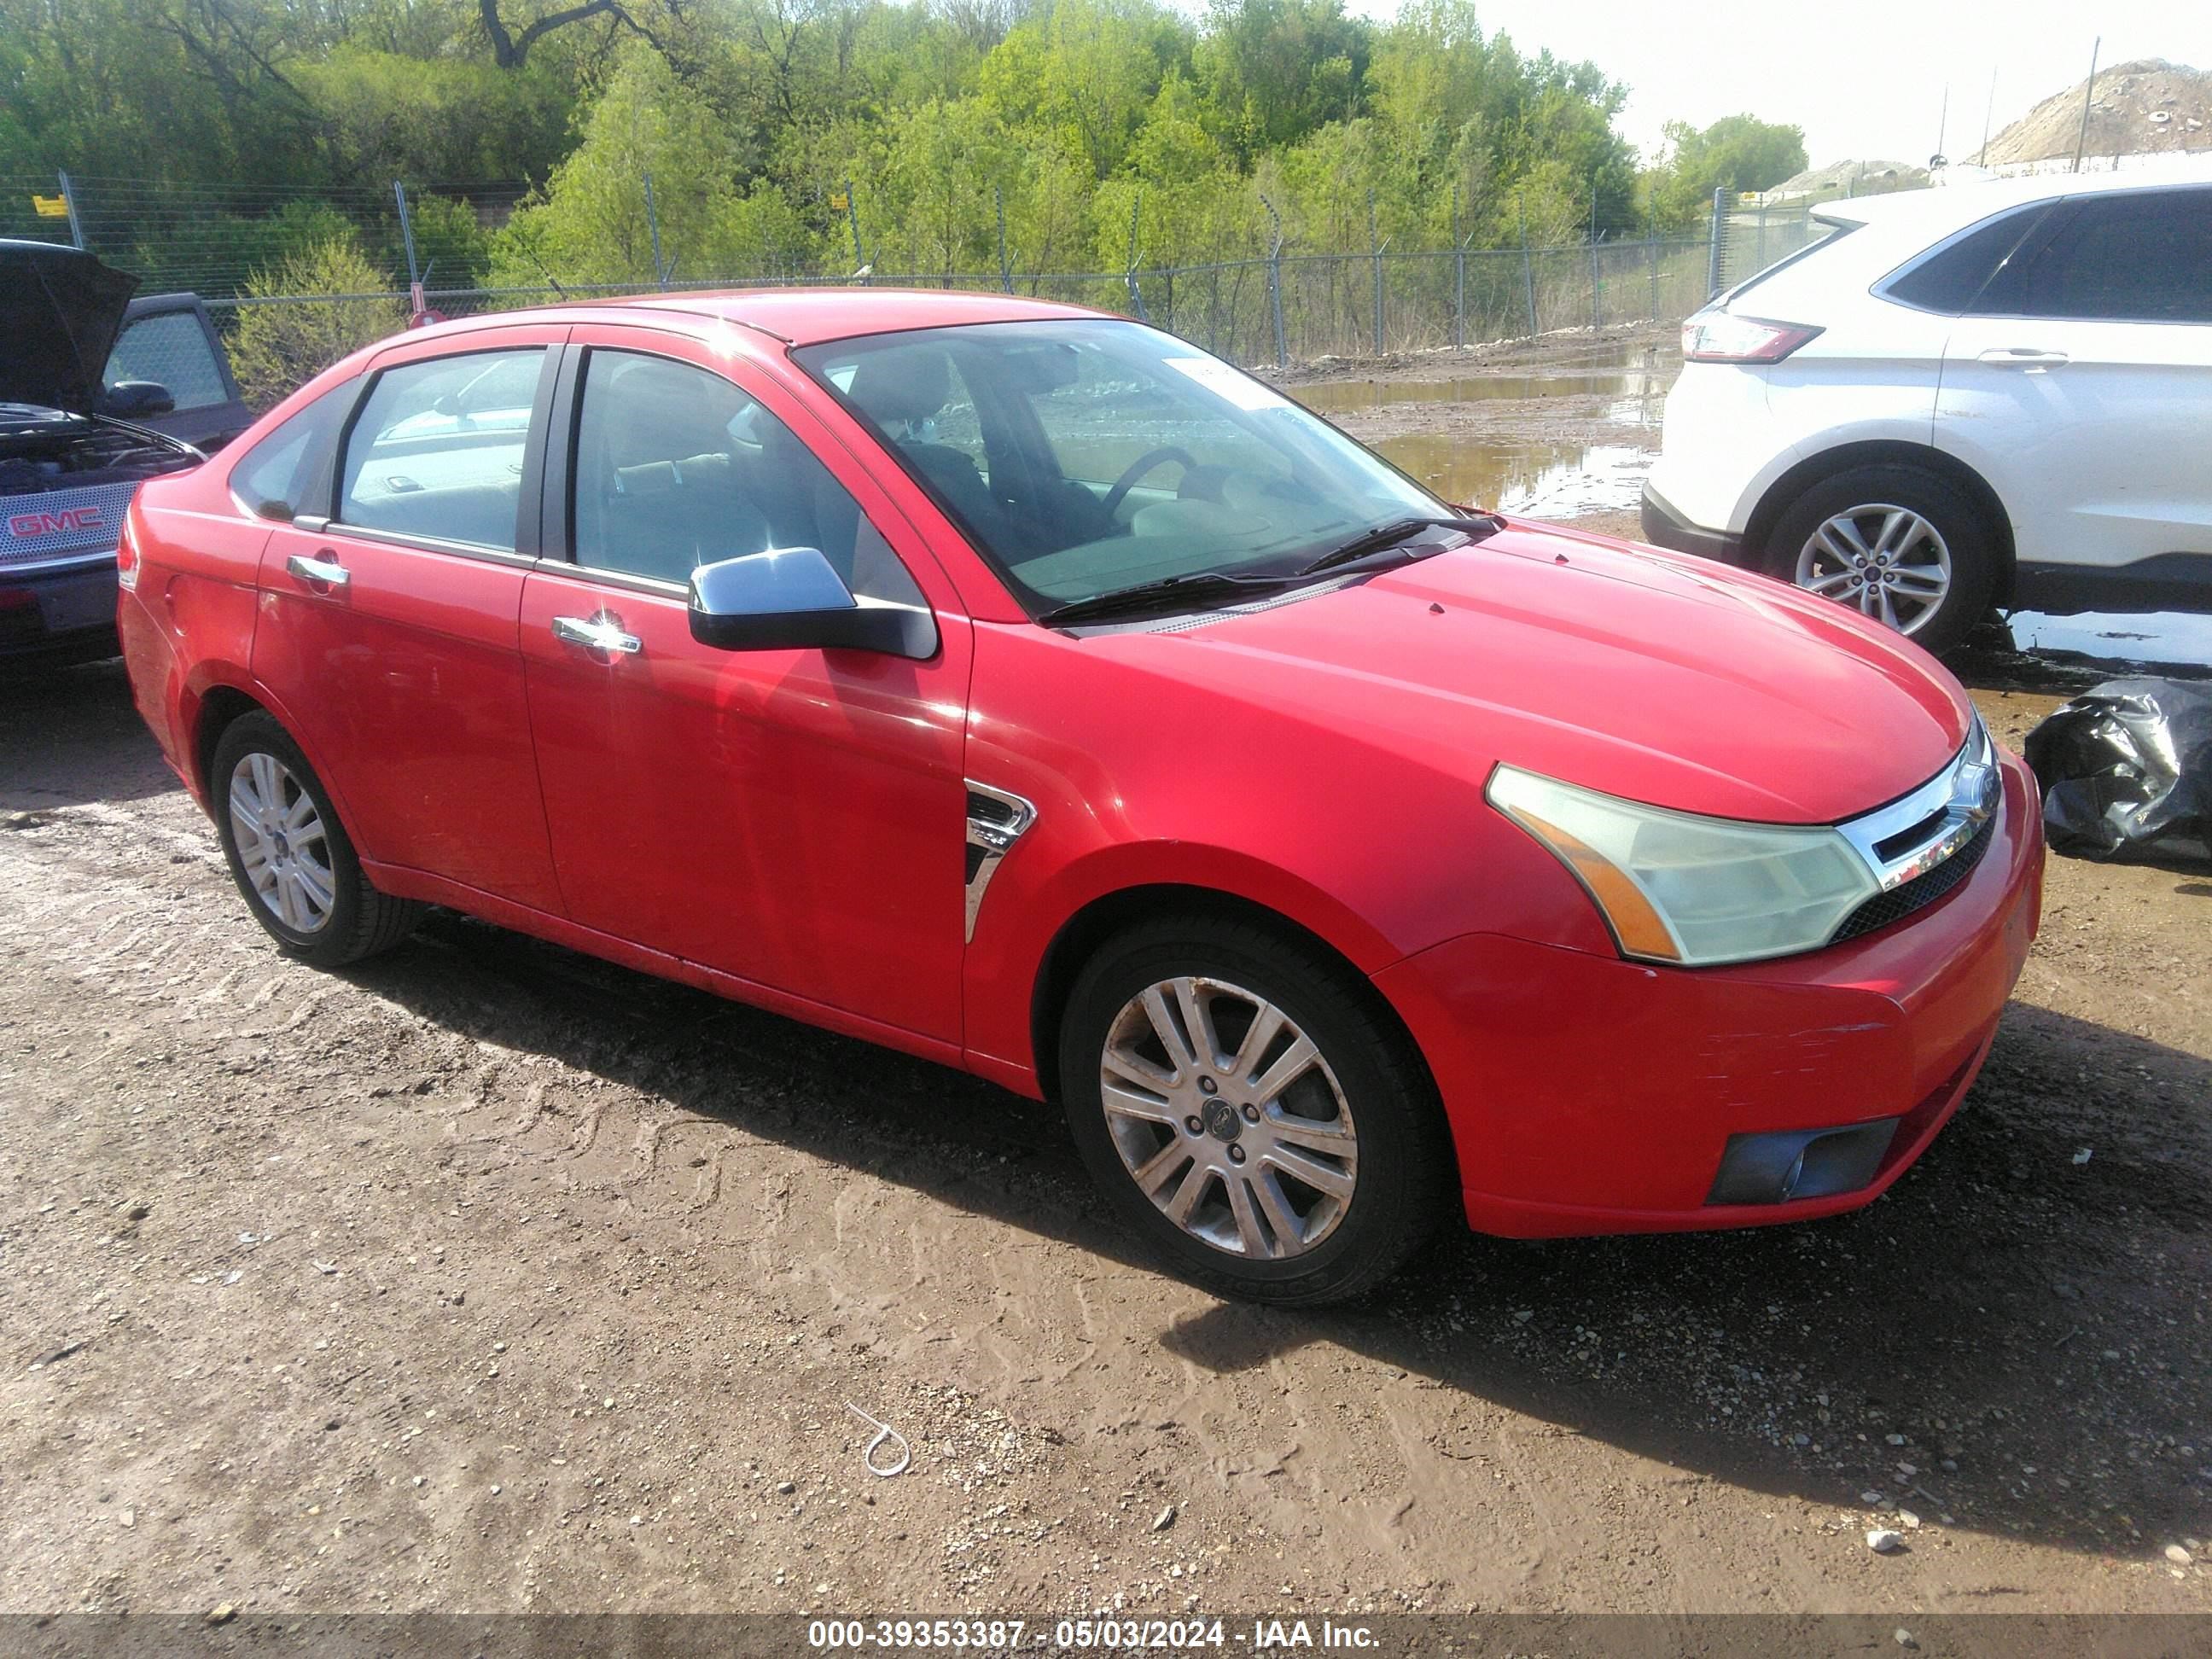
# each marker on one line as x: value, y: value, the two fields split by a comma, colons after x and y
x: 1086, y: 457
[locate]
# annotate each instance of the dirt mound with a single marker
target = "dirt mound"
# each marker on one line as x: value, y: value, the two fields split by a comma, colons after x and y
x: 1849, y: 179
x: 2146, y: 104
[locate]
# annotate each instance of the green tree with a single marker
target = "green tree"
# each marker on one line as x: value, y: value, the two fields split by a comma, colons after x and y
x: 277, y: 347
x: 1736, y: 153
x: 591, y: 224
x: 1274, y: 70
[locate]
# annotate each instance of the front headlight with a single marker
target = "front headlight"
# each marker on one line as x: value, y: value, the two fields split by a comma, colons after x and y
x: 1697, y: 891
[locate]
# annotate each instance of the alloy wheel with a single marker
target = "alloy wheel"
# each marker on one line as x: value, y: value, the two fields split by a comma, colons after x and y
x: 1887, y: 560
x: 281, y: 843
x: 1228, y: 1118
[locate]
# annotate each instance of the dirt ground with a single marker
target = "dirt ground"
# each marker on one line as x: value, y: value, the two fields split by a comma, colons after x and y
x: 487, y: 1276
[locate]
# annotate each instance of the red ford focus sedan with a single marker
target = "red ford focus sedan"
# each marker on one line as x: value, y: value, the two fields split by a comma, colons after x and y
x: 1021, y: 688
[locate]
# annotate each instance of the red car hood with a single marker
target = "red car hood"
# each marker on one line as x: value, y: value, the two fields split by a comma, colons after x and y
x: 1663, y: 679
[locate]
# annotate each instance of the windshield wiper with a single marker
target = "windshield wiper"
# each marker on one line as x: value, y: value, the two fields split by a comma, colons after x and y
x: 1390, y: 535
x: 1151, y: 596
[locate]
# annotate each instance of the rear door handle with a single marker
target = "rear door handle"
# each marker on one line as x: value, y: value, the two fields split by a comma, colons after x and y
x: 597, y: 634
x: 318, y: 572
x: 2023, y: 357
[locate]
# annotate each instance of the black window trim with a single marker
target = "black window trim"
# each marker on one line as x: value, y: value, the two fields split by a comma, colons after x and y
x: 526, y: 551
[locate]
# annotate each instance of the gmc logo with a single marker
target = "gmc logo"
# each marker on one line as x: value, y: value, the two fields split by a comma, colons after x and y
x: 54, y: 524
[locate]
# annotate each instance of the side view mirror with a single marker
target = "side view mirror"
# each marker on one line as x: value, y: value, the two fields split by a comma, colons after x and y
x: 792, y: 598
x: 134, y: 400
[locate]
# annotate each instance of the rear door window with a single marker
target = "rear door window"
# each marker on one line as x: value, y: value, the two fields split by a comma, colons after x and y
x: 436, y: 453
x: 2142, y: 256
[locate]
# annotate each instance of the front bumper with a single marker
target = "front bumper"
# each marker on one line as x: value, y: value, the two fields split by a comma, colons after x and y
x: 1663, y: 526
x: 1591, y: 1095
x: 67, y: 614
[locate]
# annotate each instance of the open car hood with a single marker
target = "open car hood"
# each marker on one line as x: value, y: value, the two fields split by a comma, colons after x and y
x: 60, y: 310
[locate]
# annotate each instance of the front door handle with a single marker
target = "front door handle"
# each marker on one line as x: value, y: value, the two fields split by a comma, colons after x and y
x: 2023, y: 357
x: 319, y: 572
x: 597, y: 634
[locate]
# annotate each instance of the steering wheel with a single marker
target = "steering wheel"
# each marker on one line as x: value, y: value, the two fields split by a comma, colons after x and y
x: 1141, y: 466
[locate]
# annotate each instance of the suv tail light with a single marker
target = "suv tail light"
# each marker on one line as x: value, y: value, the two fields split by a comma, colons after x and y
x: 1717, y: 337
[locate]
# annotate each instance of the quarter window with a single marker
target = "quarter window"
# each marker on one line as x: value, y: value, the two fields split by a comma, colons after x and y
x: 1947, y: 280
x: 436, y: 452
x: 277, y: 471
x: 676, y: 467
x: 2142, y: 256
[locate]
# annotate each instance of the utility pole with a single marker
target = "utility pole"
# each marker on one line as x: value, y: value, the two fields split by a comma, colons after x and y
x: 1981, y: 157
x: 2088, y: 92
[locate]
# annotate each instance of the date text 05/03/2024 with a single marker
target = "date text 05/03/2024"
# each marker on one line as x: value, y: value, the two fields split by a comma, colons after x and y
x: 1082, y: 1634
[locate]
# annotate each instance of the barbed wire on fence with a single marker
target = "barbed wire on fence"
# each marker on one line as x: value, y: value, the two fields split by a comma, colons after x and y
x: 1278, y: 305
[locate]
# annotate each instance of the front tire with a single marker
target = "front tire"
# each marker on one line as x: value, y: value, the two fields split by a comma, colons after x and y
x: 290, y: 854
x: 1251, y: 1112
x: 1896, y: 543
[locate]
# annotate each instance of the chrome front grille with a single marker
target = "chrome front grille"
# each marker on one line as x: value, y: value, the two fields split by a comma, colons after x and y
x: 1920, y: 846
x: 1923, y: 891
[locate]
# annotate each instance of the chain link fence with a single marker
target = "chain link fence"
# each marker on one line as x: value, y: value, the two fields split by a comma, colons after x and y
x: 1276, y: 308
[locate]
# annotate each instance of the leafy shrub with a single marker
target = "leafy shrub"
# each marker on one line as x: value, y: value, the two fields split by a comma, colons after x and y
x: 278, y: 346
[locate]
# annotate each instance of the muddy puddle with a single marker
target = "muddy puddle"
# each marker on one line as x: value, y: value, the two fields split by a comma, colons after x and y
x: 1575, y: 439
x: 2166, y: 639
x: 1557, y: 443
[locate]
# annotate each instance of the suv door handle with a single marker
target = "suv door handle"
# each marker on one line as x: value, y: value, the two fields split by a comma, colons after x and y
x: 2023, y: 357
x: 597, y: 634
x: 317, y: 573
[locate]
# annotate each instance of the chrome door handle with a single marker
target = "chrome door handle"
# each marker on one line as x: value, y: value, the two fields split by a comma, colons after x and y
x: 319, y: 573
x: 2023, y: 357
x: 597, y: 634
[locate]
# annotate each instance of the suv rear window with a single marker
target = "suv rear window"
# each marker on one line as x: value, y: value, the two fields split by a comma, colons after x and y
x: 1948, y: 279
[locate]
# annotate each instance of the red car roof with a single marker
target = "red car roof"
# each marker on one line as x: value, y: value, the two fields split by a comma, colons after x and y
x: 802, y: 316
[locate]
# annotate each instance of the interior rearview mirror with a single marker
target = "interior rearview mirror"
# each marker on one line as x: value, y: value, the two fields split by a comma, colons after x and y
x: 792, y: 598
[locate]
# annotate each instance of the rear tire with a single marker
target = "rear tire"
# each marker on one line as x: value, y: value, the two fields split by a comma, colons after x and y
x: 290, y: 854
x: 1257, y: 1172
x: 1896, y: 543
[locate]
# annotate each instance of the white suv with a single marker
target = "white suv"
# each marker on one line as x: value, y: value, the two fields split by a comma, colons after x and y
x: 1996, y: 393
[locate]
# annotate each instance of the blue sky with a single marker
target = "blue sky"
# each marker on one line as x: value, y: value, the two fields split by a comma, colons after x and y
x: 1863, y: 79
